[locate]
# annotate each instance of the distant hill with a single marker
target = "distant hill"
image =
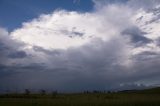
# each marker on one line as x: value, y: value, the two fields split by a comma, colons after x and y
x: 155, y: 90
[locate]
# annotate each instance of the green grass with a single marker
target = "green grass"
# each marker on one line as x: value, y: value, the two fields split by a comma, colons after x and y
x: 149, y: 97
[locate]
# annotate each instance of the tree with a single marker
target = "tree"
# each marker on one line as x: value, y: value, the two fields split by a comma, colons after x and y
x: 43, y: 92
x: 54, y: 94
x: 27, y: 91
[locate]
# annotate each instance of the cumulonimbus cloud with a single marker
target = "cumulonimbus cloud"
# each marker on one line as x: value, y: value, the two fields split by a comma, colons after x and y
x: 68, y: 50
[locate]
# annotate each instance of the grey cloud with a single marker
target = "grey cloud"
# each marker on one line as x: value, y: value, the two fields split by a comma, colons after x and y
x: 130, y: 86
x: 9, y: 48
x: 136, y: 35
x: 94, y: 66
x: 157, y: 42
x: 18, y: 54
x: 49, y: 52
x: 73, y: 32
x: 78, y: 33
x: 88, y: 67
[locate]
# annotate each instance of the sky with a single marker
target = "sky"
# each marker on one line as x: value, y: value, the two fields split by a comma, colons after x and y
x: 19, y: 11
x: 77, y: 45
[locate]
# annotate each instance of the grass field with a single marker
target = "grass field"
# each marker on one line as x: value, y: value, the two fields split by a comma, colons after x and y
x: 149, y: 97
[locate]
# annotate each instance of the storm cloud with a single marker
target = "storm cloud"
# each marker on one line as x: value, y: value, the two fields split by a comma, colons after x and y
x: 72, y: 51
